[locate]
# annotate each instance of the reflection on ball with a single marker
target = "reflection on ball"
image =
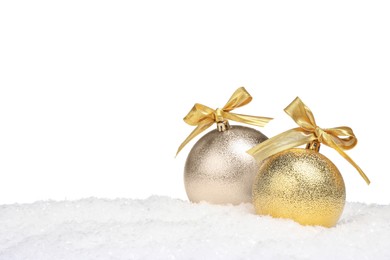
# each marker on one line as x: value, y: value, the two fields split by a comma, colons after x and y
x: 302, y: 185
x: 218, y: 169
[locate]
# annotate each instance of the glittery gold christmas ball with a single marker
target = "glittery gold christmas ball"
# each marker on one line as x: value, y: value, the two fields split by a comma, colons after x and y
x: 302, y: 185
x: 218, y: 169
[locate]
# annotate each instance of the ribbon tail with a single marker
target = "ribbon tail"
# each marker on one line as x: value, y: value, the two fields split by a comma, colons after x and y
x: 349, y: 159
x: 251, y: 120
x: 199, y: 129
x: 286, y: 140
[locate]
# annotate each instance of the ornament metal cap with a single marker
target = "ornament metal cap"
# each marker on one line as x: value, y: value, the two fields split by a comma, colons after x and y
x: 314, y: 145
x: 223, y: 126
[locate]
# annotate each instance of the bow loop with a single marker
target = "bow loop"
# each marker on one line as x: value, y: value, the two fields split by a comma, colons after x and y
x: 301, y: 114
x: 343, y: 136
x: 240, y: 98
x: 203, y: 116
x: 198, y: 114
x: 338, y: 138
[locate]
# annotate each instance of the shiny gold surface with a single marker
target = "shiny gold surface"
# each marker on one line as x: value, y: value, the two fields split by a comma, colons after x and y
x: 203, y: 117
x: 339, y: 138
x: 300, y: 184
x: 218, y: 170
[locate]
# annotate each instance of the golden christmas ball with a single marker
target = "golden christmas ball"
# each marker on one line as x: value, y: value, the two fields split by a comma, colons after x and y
x: 218, y: 169
x: 302, y: 185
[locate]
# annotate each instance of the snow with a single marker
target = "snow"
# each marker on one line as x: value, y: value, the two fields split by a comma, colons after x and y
x: 166, y: 228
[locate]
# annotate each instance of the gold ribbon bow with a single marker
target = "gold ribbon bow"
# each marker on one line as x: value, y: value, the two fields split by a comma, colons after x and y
x: 339, y: 138
x: 203, y: 117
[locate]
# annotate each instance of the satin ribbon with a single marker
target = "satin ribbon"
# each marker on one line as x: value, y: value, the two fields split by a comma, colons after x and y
x: 339, y: 138
x: 203, y: 117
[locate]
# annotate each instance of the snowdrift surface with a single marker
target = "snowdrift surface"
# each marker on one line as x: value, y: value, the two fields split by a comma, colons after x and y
x: 165, y: 228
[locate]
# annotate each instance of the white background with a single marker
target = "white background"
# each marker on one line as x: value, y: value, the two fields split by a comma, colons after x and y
x: 92, y: 93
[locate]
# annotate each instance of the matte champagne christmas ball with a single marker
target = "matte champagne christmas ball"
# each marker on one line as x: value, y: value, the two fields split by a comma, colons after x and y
x: 300, y: 184
x: 218, y: 169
